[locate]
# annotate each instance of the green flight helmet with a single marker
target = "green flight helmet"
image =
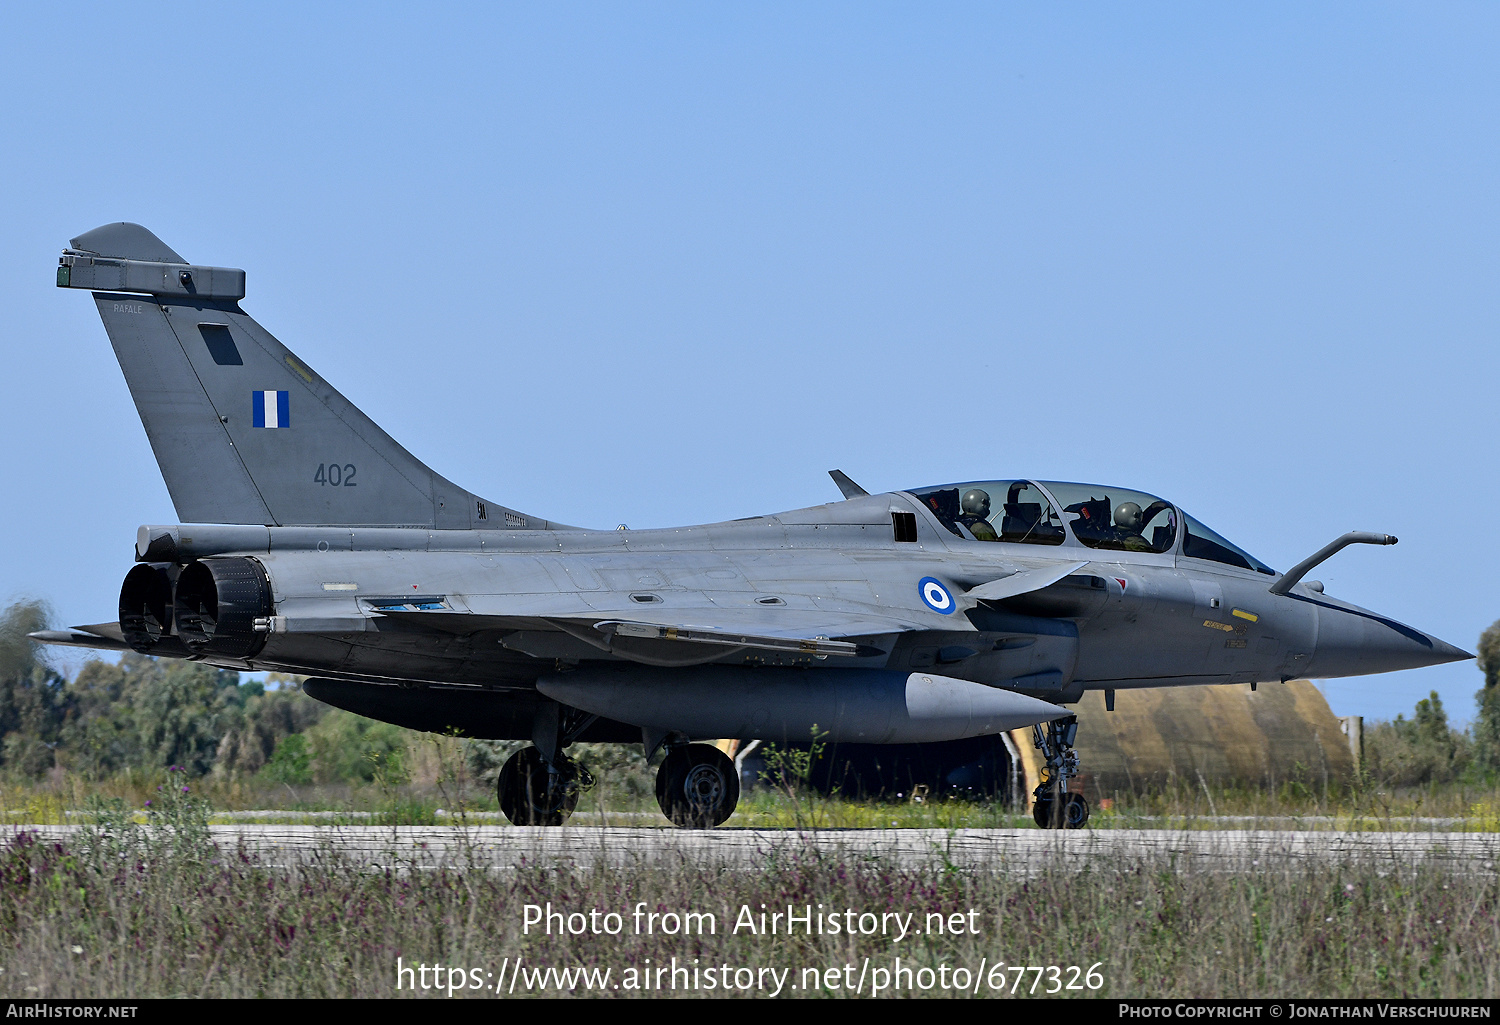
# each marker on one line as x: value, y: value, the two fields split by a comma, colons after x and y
x: 977, y: 503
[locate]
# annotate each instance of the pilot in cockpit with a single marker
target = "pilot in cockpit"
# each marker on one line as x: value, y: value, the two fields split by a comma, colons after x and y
x: 1129, y: 522
x: 974, y: 512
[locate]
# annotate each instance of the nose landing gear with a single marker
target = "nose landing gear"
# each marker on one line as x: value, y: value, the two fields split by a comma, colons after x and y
x: 1053, y: 807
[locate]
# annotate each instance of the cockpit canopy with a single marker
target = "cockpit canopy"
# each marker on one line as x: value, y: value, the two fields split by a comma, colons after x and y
x: 1115, y: 519
x: 1105, y: 518
x: 1005, y: 510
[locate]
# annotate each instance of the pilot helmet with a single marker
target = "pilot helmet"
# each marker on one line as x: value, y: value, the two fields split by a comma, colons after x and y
x: 976, y: 503
x: 1128, y: 517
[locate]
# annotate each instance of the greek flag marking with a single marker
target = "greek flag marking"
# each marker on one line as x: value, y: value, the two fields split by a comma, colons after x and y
x: 271, y: 408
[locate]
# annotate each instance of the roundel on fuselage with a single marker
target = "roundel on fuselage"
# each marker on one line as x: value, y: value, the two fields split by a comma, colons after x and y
x: 935, y: 596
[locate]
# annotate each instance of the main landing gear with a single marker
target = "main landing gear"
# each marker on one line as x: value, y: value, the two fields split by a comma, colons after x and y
x: 536, y: 793
x: 540, y: 785
x: 1053, y: 806
x: 697, y: 786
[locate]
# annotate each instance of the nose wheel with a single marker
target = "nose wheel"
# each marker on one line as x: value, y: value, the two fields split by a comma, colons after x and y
x: 1053, y: 806
x: 533, y: 793
x: 697, y: 786
x: 1072, y: 812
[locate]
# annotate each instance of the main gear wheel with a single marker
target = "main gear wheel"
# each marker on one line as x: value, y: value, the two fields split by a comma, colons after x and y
x: 697, y: 786
x: 533, y: 793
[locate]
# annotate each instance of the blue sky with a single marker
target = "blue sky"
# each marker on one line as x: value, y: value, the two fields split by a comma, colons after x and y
x: 663, y: 264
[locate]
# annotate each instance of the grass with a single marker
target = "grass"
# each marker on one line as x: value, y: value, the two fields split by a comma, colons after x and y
x: 142, y: 903
x: 626, y: 795
x: 157, y: 910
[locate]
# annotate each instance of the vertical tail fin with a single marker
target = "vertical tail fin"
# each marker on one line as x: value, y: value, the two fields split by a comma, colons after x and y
x: 243, y: 430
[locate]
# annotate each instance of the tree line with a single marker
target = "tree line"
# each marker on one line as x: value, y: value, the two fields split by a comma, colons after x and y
x: 145, y: 714
x: 1427, y: 749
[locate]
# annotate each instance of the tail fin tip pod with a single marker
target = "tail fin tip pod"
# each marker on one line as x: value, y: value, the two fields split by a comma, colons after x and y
x: 242, y: 429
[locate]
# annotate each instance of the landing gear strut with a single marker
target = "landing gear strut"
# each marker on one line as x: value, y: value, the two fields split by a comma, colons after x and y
x: 697, y: 786
x: 540, y: 785
x: 1053, y: 807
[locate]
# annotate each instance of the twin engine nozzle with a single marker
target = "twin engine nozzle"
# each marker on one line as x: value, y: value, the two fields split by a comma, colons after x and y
x: 209, y: 606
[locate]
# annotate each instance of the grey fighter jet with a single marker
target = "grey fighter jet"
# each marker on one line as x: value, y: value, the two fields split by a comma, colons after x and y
x: 312, y: 543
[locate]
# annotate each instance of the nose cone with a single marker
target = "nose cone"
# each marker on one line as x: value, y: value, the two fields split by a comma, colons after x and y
x: 1356, y: 642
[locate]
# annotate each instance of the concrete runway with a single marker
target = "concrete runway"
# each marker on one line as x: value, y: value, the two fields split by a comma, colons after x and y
x: 1020, y: 851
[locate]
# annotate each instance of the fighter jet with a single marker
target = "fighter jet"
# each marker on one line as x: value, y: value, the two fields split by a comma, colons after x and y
x: 312, y: 543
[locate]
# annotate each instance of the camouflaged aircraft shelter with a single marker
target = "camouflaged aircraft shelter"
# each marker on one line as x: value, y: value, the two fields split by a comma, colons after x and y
x: 1275, y: 734
x: 1216, y: 735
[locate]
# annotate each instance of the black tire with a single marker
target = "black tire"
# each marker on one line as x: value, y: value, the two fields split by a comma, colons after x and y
x: 524, y: 786
x: 1075, y: 812
x: 1071, y: 813
x: 697, y: 786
